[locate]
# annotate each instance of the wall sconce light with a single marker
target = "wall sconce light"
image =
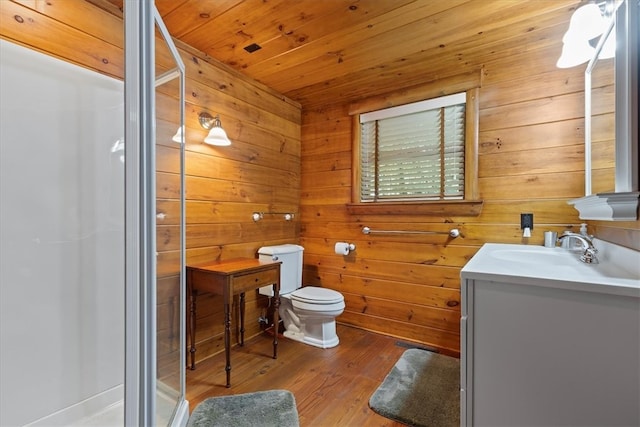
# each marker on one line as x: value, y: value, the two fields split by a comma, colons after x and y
x: 179, y: 135
x: 217, y: 135
x: 587, y: 23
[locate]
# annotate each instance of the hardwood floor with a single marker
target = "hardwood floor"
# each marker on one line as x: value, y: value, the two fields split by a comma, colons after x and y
x: 332, y: 386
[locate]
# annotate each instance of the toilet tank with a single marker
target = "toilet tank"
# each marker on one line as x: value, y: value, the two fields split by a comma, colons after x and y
x: 290, y: 270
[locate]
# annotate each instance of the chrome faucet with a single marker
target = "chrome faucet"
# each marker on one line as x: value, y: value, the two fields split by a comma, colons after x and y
x: 589, y: 255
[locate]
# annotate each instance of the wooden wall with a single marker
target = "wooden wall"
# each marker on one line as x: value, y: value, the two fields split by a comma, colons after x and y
x: 531, y: 160
x: 260, y: 171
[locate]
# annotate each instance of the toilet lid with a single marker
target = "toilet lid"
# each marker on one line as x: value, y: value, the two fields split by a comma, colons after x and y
x: 317, y: 295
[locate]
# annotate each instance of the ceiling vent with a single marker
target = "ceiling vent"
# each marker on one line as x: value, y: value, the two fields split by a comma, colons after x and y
x: 252, y: 47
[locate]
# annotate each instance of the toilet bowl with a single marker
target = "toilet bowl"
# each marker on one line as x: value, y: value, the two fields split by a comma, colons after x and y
x: 308, y: 313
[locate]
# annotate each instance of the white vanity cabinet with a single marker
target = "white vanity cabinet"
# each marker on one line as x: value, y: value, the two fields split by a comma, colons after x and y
x: 539, y: 350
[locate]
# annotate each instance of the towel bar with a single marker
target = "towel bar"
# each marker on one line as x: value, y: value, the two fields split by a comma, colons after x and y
x: 454, y: 232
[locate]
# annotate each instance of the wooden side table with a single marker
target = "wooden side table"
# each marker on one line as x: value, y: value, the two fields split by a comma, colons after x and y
x: 229, y: 278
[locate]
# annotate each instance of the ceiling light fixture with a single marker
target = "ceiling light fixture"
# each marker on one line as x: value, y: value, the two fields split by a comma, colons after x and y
x: 217, y: 135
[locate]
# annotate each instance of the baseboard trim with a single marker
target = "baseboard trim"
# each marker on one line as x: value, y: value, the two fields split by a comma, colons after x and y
x: 83, y: 409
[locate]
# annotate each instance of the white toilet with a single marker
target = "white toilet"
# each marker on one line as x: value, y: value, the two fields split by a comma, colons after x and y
x: 308, y: 313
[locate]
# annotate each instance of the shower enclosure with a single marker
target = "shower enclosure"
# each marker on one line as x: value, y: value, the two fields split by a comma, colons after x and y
x: 91, y: 319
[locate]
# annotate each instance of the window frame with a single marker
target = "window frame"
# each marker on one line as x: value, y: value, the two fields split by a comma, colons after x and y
x: 378, y: 145
x: 470, y: 205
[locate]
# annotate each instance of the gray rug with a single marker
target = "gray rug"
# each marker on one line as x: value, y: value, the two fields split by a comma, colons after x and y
x: 273, y: 408
x: 422, y: 389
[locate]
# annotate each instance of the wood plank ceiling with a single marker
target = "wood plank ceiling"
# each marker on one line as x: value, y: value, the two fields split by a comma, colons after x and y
x: 322, y: 51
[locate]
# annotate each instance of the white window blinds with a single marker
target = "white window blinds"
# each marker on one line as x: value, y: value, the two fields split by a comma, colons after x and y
x: 414, y: 152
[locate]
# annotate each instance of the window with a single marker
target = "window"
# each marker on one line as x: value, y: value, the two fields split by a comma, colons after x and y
x: 414, y: 152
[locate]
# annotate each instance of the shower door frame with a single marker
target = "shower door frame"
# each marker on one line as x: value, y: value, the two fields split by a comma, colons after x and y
x: 140, y: 19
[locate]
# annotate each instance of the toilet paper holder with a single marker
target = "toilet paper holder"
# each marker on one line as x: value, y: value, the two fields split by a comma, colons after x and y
x: 343, y: 248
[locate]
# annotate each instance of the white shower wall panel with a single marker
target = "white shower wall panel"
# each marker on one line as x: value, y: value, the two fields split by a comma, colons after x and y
x: 62, y: 238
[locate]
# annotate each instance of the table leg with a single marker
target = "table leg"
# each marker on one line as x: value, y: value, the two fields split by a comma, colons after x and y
x: 192, y: 328
x: 242, y: 304
x: 276, y: 318
x: 227, y: 341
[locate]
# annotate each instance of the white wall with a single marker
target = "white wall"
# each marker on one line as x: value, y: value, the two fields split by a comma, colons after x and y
x: 62, y: 239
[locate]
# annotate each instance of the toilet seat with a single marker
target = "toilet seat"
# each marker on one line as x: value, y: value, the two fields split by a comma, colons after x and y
x: 317, y: 300
x: 316, y: 295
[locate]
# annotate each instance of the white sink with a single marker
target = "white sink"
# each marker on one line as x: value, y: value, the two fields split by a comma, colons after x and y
x: 557, y: 257
x: 535, y: 255
x: 617, y: 267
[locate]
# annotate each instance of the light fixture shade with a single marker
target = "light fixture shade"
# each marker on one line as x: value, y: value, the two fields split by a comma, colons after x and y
x: 586, y: 23
x: 179, y: 135
x: 575, y: 53
x: 217, y: 136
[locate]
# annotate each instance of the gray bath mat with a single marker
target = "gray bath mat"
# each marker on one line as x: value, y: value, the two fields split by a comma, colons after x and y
x: 273, y: 408
x: 422, y: 389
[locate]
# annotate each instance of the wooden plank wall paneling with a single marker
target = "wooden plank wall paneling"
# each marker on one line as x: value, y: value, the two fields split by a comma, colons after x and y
x: 531, y: 159
x: 260, y: 171
x: 531, y: 144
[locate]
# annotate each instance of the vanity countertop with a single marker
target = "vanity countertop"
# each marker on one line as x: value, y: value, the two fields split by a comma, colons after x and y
x: 617, y: 272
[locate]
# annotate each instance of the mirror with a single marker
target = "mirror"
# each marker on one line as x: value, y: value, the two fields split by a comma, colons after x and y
x: 611, y: 122
x: 626, y: 64
x: 600, y: 107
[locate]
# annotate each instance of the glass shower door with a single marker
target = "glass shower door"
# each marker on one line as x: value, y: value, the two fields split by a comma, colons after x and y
x: 170, y: 240
x: 154, y: 171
